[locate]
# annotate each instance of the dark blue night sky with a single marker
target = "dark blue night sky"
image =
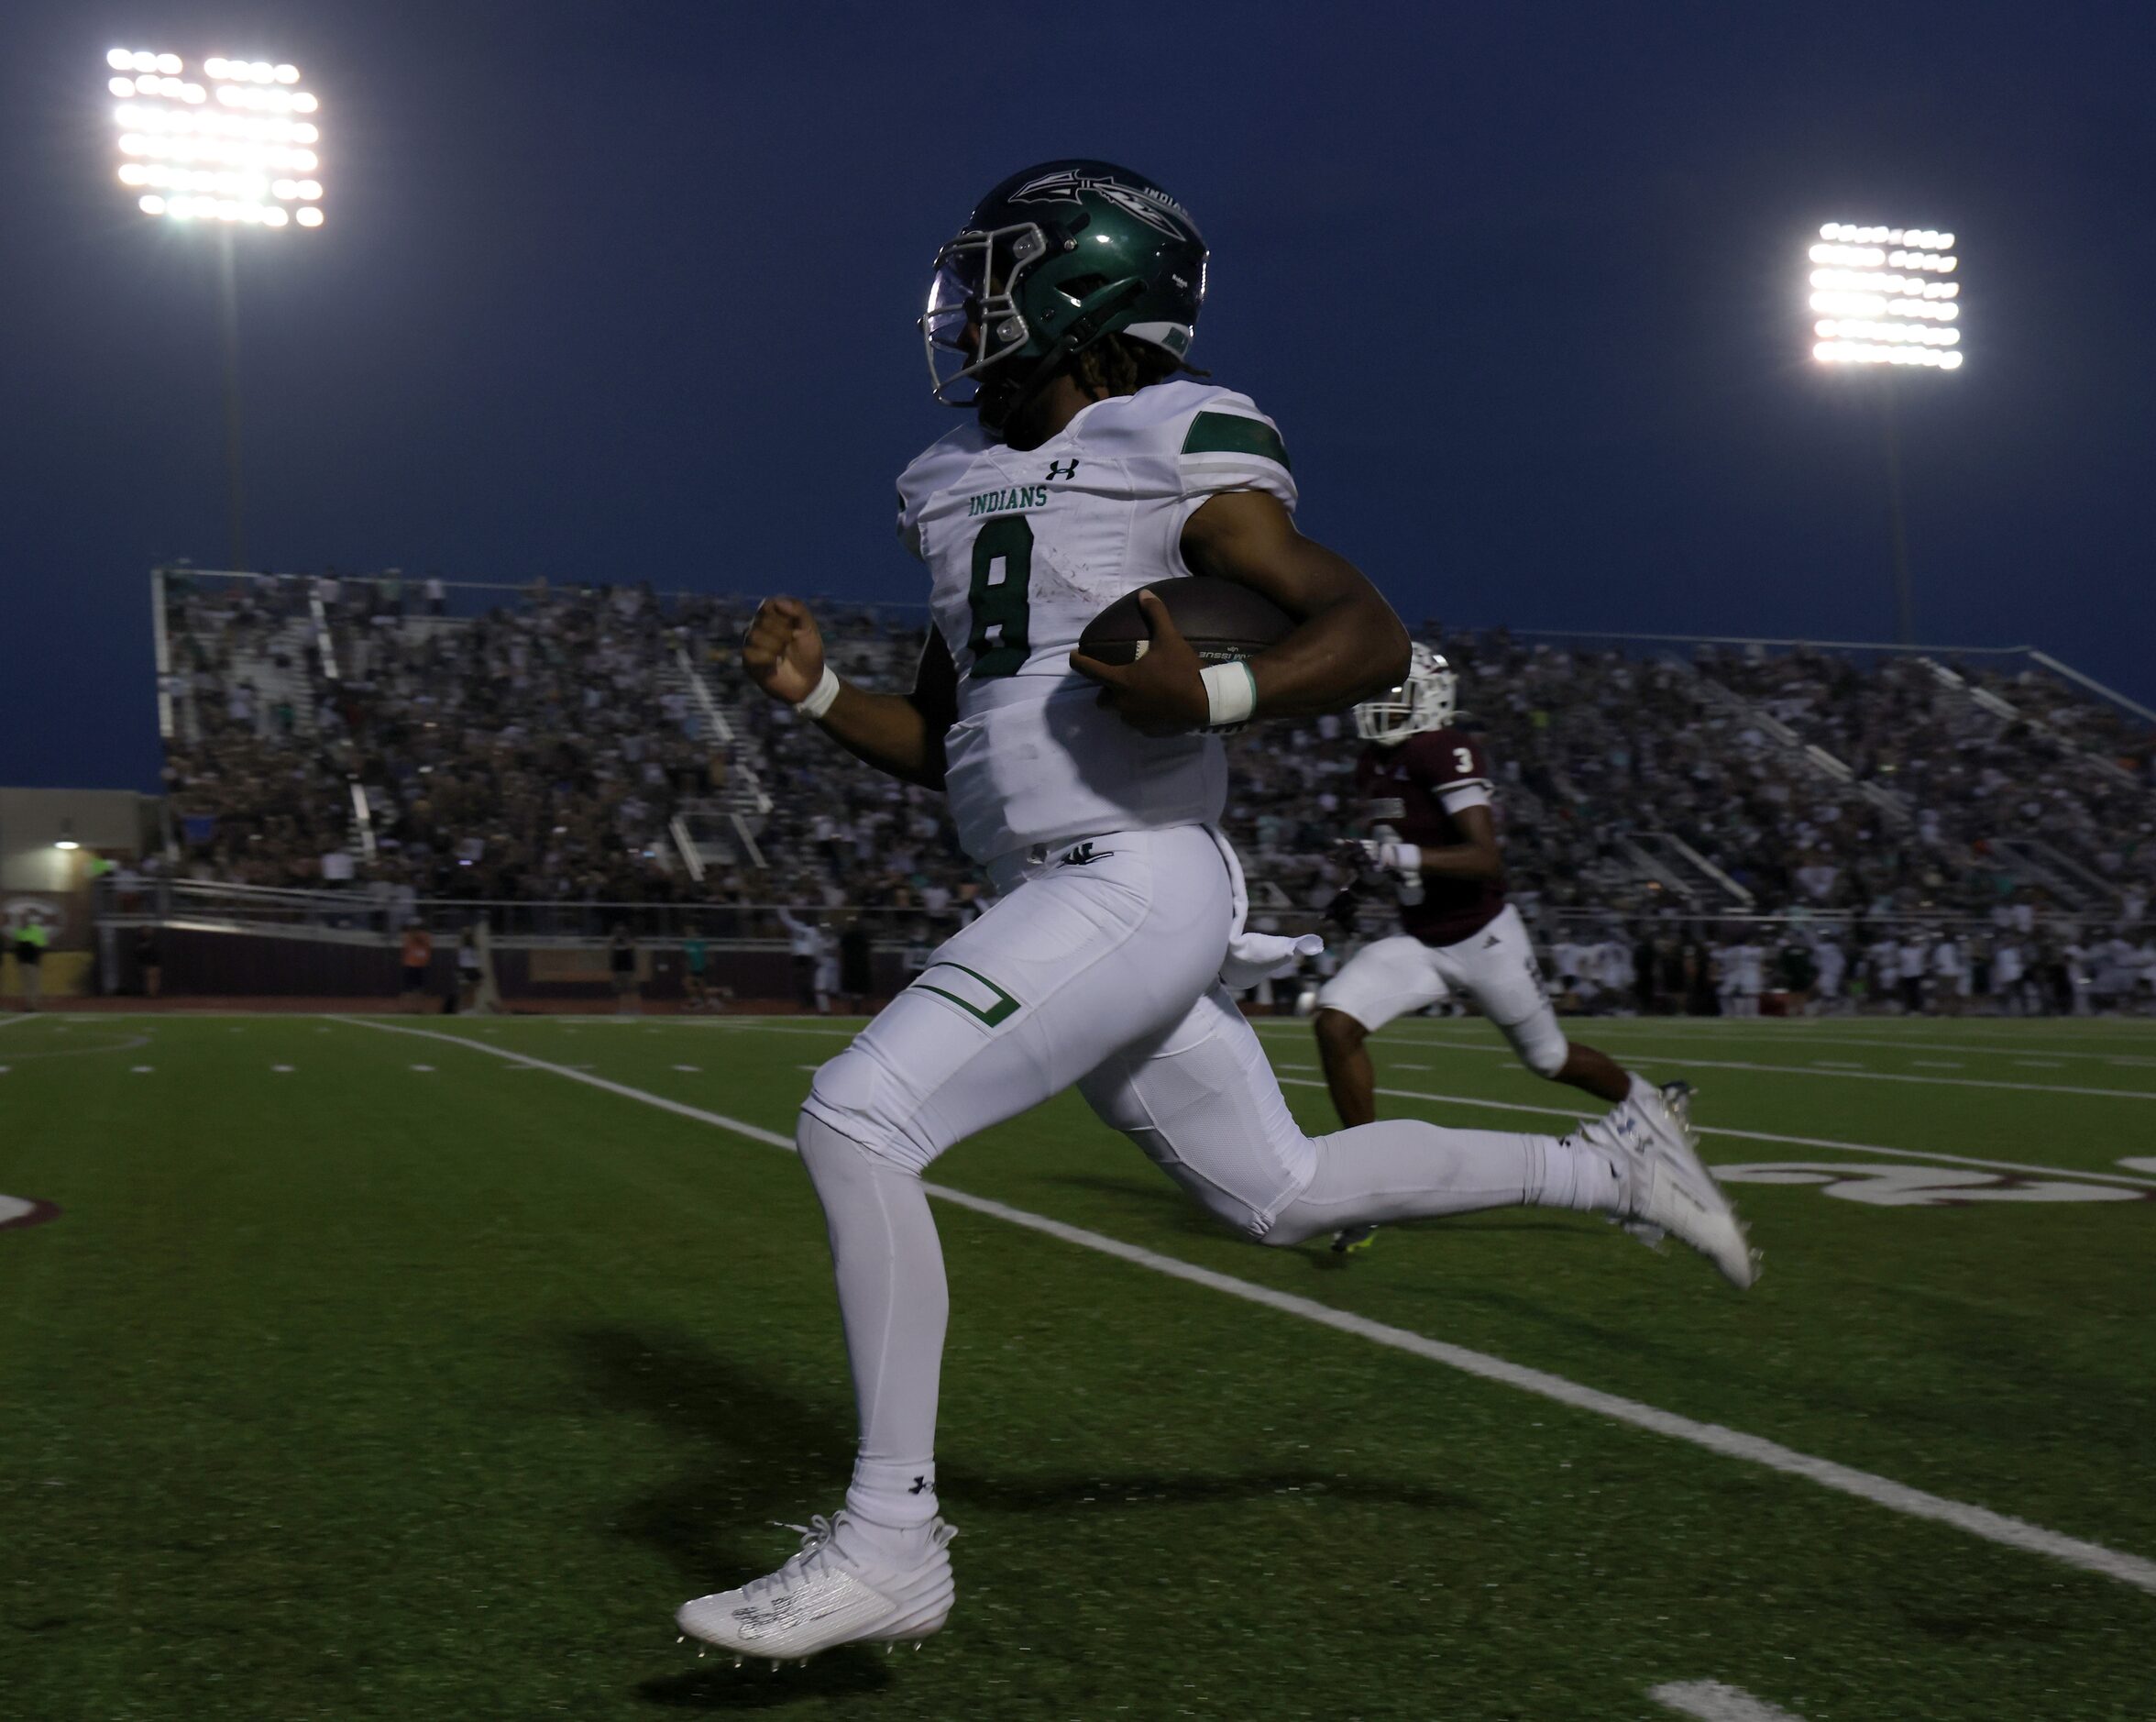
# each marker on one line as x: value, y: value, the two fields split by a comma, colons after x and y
x: 627, y: 292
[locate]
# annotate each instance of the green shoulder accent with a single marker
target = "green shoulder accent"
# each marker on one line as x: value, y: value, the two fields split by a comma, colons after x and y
x: 1234, y: 434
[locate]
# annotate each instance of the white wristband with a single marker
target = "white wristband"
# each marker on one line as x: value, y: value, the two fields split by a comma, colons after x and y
x: 818, y: 698
x: 1231, y: 693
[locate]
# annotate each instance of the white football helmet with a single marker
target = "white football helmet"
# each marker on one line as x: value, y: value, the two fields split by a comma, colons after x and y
x: 1425, y: 701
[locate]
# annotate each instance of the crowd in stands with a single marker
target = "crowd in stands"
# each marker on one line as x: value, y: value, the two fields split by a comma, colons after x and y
x: 532, y: 751
x: 1973, y: 755
x: 2011, y: 965
x: 536, y: 748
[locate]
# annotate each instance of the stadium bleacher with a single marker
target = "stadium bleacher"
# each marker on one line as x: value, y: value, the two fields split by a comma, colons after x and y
x: 599, y: 747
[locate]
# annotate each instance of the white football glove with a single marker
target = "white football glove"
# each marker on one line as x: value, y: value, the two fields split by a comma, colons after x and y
x: 1387, y: 856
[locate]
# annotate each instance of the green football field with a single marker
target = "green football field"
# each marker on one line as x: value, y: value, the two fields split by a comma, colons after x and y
x: 421, y: 1369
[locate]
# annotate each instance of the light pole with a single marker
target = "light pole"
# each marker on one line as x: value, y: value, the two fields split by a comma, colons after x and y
x: 235, y: 147
x: 1883, y: 297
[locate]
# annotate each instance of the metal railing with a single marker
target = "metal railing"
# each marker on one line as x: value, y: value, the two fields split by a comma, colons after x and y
x: 363, y: 913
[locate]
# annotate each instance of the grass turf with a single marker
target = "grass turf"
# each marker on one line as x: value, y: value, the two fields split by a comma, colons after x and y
x: 358, y: 1390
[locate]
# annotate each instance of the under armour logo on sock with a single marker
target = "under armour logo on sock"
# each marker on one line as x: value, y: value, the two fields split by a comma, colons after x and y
x: 920, y: 1486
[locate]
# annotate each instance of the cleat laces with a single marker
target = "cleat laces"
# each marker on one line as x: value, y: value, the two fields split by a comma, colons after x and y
x: 812, y: 1556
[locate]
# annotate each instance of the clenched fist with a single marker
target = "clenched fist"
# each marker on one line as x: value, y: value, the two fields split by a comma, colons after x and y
x: 782, y: 650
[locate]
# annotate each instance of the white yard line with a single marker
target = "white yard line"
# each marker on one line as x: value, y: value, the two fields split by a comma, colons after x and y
x: 735, y: 1124
x: 1977, y: 1521
x: 1758, y: 1135
x: 1685, y: 1060
x: 1712, y: 1701
x: 5, y: 1022
x: 131, y: 1043
x: 751, y: 1025
x: 1611, y: 1029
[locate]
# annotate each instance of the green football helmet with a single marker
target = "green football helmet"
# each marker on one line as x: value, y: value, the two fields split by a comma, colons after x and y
x: 1051, y: 261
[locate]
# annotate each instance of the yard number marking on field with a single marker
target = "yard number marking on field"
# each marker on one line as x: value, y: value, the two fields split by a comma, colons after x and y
x: 1712, y: 1701
x: 1977, y: 1521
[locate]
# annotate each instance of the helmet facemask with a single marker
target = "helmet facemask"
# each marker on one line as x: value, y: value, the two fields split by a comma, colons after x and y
x: 1425, y: 701
x: 973, y: 319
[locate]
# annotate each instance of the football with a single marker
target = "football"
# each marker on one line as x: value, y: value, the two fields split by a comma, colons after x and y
x: 1221, y: 620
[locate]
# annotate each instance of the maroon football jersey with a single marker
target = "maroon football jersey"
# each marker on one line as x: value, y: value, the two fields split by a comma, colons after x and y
x: 1400, y: 788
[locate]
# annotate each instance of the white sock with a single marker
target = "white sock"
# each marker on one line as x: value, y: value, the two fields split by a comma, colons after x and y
x: 1404, y: 1169
x: 1640, y: 1089
x: 894, y: 1302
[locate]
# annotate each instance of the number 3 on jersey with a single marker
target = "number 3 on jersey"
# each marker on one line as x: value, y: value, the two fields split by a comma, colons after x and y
x: 1003, y: 569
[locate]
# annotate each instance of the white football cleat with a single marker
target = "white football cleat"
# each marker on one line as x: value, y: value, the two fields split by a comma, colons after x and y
x: 1667, y: 1189
x: 826, y: 1596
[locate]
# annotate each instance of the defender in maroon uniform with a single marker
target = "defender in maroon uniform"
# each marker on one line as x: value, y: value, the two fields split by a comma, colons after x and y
x: 1425, y: 791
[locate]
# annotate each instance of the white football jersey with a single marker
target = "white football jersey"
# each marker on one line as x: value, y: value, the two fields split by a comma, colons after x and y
x: 1023, y: 548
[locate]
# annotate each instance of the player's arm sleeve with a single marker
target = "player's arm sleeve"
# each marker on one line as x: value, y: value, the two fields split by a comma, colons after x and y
x: 909, y: 522
x: 1454, y: 769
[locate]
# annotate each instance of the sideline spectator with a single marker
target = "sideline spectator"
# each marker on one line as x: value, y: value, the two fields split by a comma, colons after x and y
x: 695, y: 955
x: 622, y: 960
x: 30, y: 940
x: 806, y: 940
x: 467, y: 972
x: 416, y: 954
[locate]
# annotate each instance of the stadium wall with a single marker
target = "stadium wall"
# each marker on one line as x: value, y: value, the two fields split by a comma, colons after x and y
x: 206, y: 962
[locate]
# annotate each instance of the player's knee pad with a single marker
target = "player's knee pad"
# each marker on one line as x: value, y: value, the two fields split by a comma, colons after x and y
x: 854, y: 1096
x: 1540, y: 1044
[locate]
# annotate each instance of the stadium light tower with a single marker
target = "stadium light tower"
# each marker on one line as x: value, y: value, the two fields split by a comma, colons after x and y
x: 228, y: 144
x: 1887, y: 297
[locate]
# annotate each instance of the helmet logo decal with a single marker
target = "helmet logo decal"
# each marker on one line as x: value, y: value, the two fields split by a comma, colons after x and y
x: 1157, y: 211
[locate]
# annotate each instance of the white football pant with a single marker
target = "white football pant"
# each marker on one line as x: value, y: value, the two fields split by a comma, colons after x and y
x: 1495, y: 967
x: 1097, y: 965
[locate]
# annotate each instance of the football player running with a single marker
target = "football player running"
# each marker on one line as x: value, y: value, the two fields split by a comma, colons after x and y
x: 1091, y: 795
x: 1425, y: 793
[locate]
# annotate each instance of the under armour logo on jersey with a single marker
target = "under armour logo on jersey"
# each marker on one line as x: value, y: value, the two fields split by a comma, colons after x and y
x: 1491, y: 940
x: 1063, y: 468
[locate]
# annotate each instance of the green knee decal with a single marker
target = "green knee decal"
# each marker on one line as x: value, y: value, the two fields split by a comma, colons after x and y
x: 1002, y: 1009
